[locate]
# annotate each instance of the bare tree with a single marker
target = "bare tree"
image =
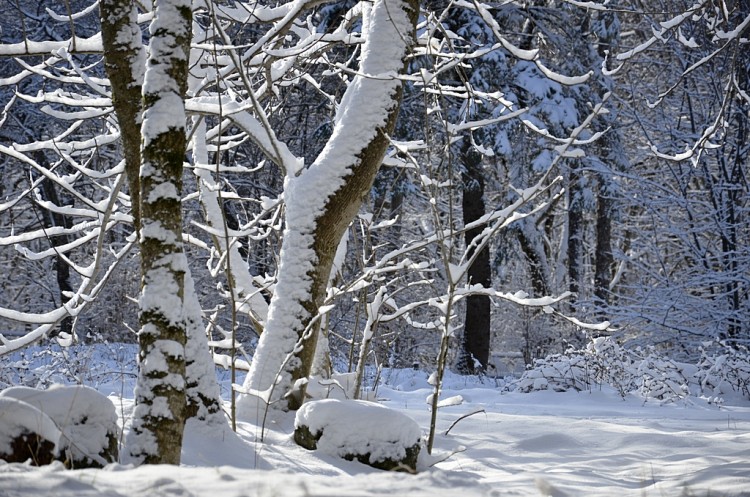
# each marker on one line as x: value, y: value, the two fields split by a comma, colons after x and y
x: 322, y: 200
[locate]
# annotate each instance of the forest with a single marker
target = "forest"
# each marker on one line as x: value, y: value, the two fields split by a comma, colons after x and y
x: 287, y: 191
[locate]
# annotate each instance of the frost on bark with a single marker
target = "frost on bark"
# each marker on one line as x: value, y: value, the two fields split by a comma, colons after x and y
x: 160, y: 412
x: 321, y: 202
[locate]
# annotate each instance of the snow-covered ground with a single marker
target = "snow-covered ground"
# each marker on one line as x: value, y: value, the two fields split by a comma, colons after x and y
x: 516, y: 444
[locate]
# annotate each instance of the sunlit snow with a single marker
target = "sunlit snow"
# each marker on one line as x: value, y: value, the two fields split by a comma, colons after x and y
x: 590, y: 443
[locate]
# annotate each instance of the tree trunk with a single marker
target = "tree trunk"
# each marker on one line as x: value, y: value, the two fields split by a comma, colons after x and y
x: 475, y: 347
x: 575, y: 230
x: 735, y: 176
x: 533, y: 250
x: 604, y: 258
x: 160, y: 412
x: 321, y: 202
x: 608, y: 40
x: 125, y: 62
x: 62, y: 269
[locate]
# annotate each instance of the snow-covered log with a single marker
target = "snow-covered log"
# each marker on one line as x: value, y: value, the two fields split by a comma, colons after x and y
x: 357, y: 430
x: 26, y: 433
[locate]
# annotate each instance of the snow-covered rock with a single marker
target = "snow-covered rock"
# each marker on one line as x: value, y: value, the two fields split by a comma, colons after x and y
x: 353, y: 429
x: 26, y: 433
x: 86, y: 419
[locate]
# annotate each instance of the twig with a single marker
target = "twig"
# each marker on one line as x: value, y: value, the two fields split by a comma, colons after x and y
x: 462, y: 417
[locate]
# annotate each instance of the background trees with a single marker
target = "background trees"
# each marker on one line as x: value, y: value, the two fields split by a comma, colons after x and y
x: 686, y: 195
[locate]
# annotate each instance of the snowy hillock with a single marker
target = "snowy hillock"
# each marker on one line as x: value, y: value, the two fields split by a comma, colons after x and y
x: 86, y: 420
x: 365, y: 431
x: 26, y: 433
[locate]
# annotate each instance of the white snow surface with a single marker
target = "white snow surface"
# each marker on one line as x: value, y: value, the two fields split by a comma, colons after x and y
x: 358, y: 427
x: 591, y: 444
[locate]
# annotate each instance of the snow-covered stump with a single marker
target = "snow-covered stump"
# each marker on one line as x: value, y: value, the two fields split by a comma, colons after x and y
x: 357, y: 430
x: 26, y: 433
x: 86, y: 420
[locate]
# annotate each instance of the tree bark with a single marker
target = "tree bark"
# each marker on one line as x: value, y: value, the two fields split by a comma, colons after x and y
x: 608, y: 39
x: 475, y: 347
x: 575, y: 230
x: 160, y: 412
x: 323, y: 199
x: 604, y: 258
x: 125, y: 62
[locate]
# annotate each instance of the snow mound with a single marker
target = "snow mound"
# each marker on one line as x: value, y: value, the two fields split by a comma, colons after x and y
x: 19, y: 419
x: 86, y: 419
x: 355, y: 429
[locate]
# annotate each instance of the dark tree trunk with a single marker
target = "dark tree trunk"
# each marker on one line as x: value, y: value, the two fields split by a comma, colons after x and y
x: 575, y: 231
x: 608, y: 39
x: 604, y: 257
x: 475, y: 348
x: 62, y: 269
x: 735, y: 176
x: 535, y: 256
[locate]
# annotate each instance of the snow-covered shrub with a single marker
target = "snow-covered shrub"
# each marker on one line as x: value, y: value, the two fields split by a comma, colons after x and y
x: 723, y: 370
x: 610, y: 364
x: 26, y: 433
x: 661, y: 378
x: 86, y: 419
x: 338, y: 386
x: 85, y: 364
x: 33, y: 367
x: 558, y: 372
x: 605, y: 362
x: 353, y: 429
x: 602, y: 362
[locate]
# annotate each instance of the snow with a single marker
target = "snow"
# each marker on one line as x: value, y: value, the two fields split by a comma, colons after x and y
x: 18, y: 418
x: 83, y: 415
x: 245, y: 288
x: 591, y: 443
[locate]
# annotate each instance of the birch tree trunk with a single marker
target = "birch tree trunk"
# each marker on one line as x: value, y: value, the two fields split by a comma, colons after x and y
x: 321, y: 202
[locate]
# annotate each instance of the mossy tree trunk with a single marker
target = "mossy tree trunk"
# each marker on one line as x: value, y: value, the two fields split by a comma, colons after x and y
x: 159, y: 192
x: 323, y: 199
x: 160, y: 412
